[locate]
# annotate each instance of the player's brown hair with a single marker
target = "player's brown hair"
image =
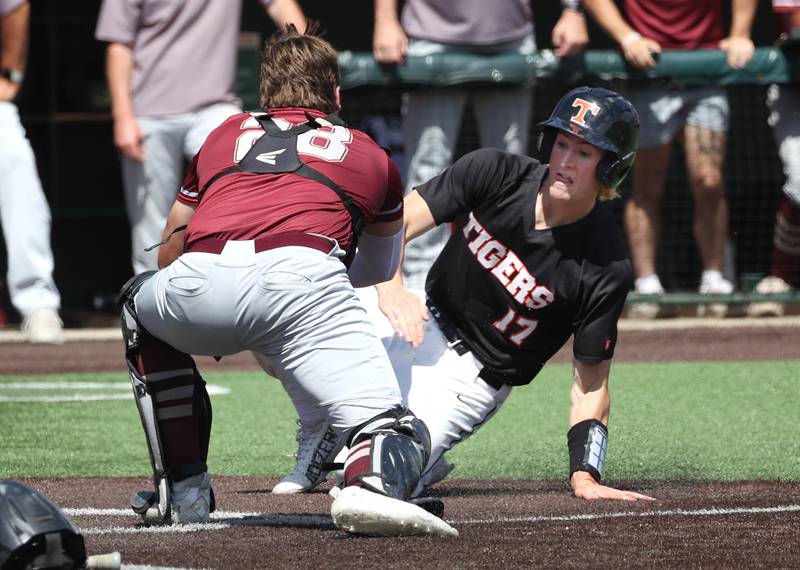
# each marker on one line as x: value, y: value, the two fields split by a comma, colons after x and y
x: 299, y: 70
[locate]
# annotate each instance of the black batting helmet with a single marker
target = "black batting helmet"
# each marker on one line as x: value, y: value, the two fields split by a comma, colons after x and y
x: 600, y: 117
x: 34, y: 533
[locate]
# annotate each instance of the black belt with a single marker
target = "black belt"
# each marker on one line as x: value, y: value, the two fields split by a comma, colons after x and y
x: 457, y: 343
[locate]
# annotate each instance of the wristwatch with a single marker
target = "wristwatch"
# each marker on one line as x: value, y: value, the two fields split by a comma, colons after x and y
x: 13, y: 75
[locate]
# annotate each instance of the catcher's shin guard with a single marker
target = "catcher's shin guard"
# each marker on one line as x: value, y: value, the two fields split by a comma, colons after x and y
x: 388, y: 453
x: 173, y: 405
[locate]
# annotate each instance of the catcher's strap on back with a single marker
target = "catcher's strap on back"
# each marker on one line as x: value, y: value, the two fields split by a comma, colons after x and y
x: 276, y: 153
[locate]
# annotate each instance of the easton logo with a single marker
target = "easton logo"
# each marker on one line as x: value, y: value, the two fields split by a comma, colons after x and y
x: 270, y: 157
x: 584, y: 107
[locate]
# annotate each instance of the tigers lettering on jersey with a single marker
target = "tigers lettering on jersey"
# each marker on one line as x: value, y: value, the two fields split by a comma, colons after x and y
x: 584, y: 107
x: 506, y: 267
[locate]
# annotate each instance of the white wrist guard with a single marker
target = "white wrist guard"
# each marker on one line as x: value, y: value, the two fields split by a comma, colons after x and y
x: 376, y: 259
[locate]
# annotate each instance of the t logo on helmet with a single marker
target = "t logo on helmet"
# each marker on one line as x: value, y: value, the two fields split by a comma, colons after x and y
x: 584, y: 107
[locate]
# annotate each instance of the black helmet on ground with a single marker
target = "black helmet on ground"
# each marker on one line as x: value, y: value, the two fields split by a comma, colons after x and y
x: 34, y: 533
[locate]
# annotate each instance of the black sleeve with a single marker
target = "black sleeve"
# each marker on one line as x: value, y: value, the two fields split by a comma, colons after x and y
x: 474, y: 179
x: 595, y: 327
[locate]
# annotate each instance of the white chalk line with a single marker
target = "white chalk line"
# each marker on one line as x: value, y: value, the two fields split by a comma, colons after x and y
x: 713, y: 511
x: 228, y: 519
x: 125, y: 392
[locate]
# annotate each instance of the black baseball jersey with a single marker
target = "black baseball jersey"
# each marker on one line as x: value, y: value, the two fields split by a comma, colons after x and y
x: 514, y: 293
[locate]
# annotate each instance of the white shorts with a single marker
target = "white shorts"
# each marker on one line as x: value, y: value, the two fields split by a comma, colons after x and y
x: 664, y: 111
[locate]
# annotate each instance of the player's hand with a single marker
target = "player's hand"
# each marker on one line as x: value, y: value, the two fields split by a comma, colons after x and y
x: 389, y: 43
x: 128, y: 138
x: 570, y: 35
x: 641, y: 52
x: 405, y: 311
x: 8, y: 90
x: 585, y: 487
x: 740, y: 50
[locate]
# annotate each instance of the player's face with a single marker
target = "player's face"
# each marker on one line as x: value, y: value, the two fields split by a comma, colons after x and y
x: 573, y: 165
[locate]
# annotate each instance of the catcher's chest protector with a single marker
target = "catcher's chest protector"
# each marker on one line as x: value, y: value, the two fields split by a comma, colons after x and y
x: 276, y: 153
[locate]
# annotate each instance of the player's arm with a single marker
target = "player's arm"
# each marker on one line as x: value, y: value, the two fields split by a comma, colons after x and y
x: 284, y: 12
x: 738, y: 44
x: 588, y: 433
x: 378, y: 255
x: 402, y: 307
x: 14, y: 37
x: 636, y: 49
x: 389, y: 40
x: 570, y: 35
x: 119, y: 71
x: 172, y: 248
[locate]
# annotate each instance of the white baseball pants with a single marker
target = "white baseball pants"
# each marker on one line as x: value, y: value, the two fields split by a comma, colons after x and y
x: 25, y: 217
x: 440, y: 386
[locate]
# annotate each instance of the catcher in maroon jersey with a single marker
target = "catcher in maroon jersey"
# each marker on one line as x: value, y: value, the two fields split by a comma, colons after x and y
x: 281, y: 213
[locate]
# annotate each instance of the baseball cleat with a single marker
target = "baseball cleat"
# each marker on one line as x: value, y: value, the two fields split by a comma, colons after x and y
x: 43, y: 326
x: 433, y: 505
x: 152, y: 506
x: 192, y: 499
x: 317, y: 443
x: 359, y: 511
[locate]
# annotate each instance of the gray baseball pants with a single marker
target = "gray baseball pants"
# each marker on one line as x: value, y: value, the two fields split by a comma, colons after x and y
x: 292, y: 306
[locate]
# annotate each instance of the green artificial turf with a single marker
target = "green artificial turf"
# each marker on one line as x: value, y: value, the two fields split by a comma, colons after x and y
x: 710, y: 420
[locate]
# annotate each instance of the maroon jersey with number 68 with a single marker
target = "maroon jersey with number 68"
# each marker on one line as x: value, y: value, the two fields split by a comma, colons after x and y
x: 246, y: 205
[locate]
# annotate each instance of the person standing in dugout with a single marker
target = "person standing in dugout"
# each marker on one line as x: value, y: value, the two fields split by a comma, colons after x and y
x: 533, y: 260
x: 259, y: 254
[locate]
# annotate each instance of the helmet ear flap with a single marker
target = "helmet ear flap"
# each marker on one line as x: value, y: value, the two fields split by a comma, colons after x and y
x: 611, y: 171
x: 606, y: 169
x: 544, y: 147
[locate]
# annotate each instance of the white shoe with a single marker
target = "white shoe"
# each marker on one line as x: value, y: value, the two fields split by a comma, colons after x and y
x: 191, y: 499
x: 359, y: 511
x: 769, y: 285
x: 43, y: 326
x: 317, y: 444
x: 717, y: 287
x: 647, y: 311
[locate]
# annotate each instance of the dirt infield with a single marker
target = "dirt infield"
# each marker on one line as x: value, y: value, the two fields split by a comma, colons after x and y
x: 503, y: 524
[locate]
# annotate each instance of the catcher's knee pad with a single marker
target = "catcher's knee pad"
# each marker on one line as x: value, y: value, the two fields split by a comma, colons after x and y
x: 388, y: 453
x: 170, y: 393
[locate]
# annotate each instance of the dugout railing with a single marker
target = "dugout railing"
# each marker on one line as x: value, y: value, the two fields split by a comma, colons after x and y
x: 753, y: 173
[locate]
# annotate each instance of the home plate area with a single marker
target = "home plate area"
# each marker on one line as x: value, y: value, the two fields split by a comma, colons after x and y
x: 502, y: 524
